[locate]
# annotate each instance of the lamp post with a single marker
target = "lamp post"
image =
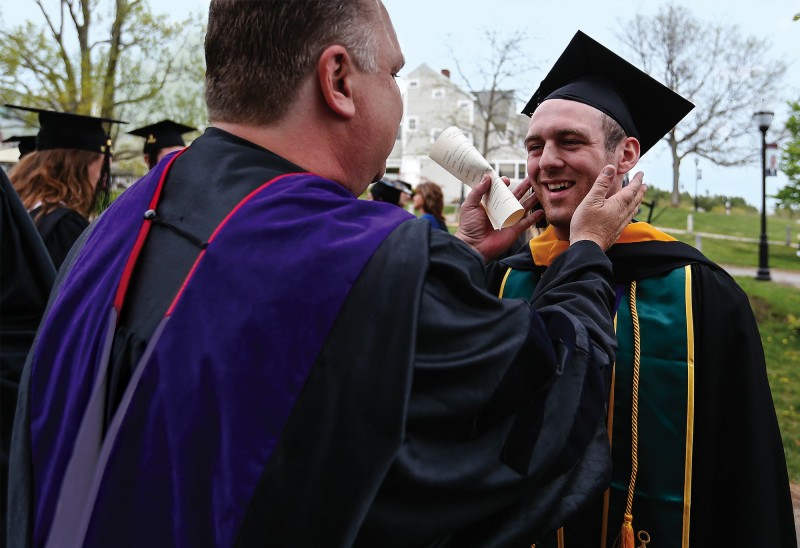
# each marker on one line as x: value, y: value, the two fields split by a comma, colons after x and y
x: 763, y: 119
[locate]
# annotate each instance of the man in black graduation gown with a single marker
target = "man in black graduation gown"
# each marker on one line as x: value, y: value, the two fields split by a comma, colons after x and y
x: 696, y: 450
x: 215, y: 368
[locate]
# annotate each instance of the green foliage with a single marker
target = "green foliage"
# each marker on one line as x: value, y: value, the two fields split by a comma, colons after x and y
x: 789, y: 195
x: 100, y: 57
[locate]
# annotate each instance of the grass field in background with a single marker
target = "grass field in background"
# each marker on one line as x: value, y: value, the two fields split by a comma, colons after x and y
x: 781, y: 256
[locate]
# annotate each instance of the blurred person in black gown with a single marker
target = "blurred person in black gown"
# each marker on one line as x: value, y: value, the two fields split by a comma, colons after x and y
x: 26, y: 276
x: 393, y: 192
x: 160, y: 139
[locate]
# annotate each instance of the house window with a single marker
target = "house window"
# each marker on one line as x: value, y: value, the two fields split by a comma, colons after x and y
x: 507, y: 169
x: 413, y: 123
x: 521, y: 168
x: 437, y: 93
x: 413, y: 84
x: 464, y: 104
x: 435, y: 132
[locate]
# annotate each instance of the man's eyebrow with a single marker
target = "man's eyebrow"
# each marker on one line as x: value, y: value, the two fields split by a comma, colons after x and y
x: 529, y: 138
x: 573, y: 132
x: 561, y: 133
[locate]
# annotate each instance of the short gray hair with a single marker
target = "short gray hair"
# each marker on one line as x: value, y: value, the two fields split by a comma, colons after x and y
x: 259, y: 51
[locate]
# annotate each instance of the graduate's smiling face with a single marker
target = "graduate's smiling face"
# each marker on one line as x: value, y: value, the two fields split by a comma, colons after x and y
x: 566, y: 147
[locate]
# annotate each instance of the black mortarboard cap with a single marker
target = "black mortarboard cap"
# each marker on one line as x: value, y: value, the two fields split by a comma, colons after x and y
x: 163, y: 134
x: 398, y: 185
x: 387, y: 190
x: 25, y: 143
x: 66, y: 130
x: 590, y: 73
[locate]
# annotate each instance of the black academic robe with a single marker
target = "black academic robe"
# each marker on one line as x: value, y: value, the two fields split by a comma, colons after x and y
x: 59, y: 229
x: 729, y: 484
x: 435, y: 414
x: 26, y: 276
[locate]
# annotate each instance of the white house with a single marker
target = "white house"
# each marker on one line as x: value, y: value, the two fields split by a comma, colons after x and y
x: 432, y: 102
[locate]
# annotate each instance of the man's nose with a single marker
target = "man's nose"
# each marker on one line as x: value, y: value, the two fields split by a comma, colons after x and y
x: 550, y: 158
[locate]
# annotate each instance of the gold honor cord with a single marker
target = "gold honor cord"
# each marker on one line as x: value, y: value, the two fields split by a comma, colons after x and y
x: 687, y: 485
x: 626, y: 534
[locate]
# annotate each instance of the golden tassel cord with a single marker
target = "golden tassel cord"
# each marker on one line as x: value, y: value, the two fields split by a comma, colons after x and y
x: 626, y: 539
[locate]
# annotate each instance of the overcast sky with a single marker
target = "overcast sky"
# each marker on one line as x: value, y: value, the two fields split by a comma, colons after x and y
x: 428, y: 29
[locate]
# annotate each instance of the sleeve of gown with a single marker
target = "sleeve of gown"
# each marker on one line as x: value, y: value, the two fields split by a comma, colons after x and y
x: 504, y: 402
x: 740, y: 486
x: 20, y: 484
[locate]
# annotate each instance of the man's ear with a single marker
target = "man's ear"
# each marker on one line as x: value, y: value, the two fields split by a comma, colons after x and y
x: 335, y: 71
x: 630, y: 155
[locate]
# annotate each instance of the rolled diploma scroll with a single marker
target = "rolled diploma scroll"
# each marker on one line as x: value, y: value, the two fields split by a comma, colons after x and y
x: 453, y: 151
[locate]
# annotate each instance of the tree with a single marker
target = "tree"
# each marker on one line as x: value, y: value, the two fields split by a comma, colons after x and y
x: 96, y: 57
x: 497, y: 125
x: 789, y: 196
x: 725, y: 74
x: 488, y: 81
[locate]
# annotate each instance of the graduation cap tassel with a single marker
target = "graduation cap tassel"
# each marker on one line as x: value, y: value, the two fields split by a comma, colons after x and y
x: 102, y: 191
x: 626, y: 534
x: 625, y: 539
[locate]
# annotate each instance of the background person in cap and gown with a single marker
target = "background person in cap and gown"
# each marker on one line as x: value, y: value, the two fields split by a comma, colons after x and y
x: 393, y: 192
x: 25, y: 143
x: 160, y: 139
x: 690, y: 378
x: 65, y: 182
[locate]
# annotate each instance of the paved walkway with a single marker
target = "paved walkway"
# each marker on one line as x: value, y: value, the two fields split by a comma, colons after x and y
x: 790, y: 277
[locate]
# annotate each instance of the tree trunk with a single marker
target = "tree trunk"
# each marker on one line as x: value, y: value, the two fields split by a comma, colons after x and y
x: 676, y: 170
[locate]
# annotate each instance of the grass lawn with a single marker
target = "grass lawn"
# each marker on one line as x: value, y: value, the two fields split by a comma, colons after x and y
x: 741, y: 225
